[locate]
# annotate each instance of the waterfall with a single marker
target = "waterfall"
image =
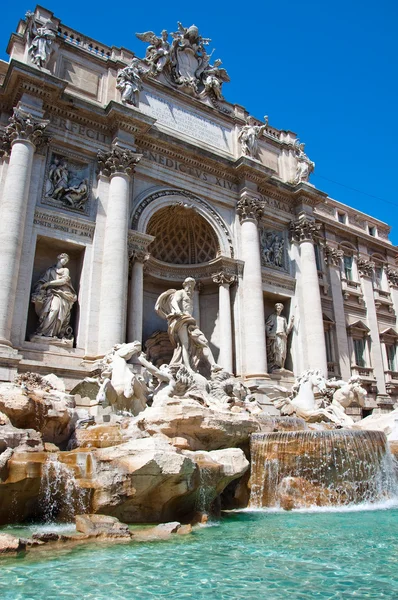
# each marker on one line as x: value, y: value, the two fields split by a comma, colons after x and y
x: 295, y: 469
x: 60, y: 495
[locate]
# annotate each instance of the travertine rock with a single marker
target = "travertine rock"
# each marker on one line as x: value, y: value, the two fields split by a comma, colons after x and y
x: 101, y: 524
x: 10, y: 544
x: 203, y: 428
x: 388, y: 423
x: 50, y: 413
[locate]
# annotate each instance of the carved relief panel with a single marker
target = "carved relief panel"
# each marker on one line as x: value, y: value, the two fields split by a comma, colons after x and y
x: 67, y: 182
x: 273, y: 249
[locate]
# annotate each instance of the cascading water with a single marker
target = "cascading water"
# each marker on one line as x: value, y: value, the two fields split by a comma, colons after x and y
x: 60, y: 495
x: 297, y: 469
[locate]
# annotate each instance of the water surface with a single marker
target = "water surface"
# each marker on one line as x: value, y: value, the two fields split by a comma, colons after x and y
x: 246, y: 555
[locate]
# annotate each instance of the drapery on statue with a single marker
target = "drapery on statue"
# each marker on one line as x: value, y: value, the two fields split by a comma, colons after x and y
x: 277, y: 330
x: 249, y: 135
x: 129, y: 82
x: 53, y: 296
x: 190, y: 343
x: 41, y: 46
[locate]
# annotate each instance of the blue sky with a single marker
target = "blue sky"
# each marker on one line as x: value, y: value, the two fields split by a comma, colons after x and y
x: 326, y: 70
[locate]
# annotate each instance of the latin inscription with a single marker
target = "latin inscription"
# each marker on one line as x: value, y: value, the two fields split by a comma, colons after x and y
x: 187, y: 122
x: 65, y: 225
x: 82, y: 130
x: 176, y: 165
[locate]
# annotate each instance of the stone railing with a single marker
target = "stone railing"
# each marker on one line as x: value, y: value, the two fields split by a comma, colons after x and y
x: 391, y: 377
x: 363, y: 372
x: 85, y: 43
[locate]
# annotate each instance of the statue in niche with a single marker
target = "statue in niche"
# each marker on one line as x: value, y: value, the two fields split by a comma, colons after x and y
x: 272, y: 249
x: 129, y: 82
x: 66, y: 185
x: 277, y: 330
x: 190, y: 343
x: 213, y: 77
x: 157, y: 55
x: 42, y: 38
x: 249, y: 136
x: 304, y: 166
x: 53, y: 296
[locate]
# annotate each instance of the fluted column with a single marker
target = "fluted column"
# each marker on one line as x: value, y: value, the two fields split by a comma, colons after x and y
x: 118, y: 165
x: 224, y: 281
x: 366, y: 271
x: 136, y: 295
x: 250, y: 211
x: 23, y: 135
x: 302, y: 232
x: 334, y: 258
x: 392, y: 277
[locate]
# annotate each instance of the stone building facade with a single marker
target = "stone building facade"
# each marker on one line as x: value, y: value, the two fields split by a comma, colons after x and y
x: 144, y: 175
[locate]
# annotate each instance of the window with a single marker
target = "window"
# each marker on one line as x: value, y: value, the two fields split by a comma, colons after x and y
x: 372, y: 230
x: 342, y: 217
x: 318, y: 257
x: 391, y: 356
x: 359, y: 351
x: 378, y: 277
x: 328, y: 343
x: 348, y: 267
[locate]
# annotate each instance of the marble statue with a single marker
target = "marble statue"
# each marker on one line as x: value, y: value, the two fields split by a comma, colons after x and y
x: 157, y: 54
x: 53, y: 296
x: 213, y: 77
x: 185, y: 62
x: 303, y: 403
x: 249, y: 135
x: 120, y: 388
x: 64, y: 183
x: 277, y: 330
x: 272, y: 249
x: 190, y: 343
x: 304, y: 166
x: 40, y: 48
x: 348, y: 393
x: 129, y: 82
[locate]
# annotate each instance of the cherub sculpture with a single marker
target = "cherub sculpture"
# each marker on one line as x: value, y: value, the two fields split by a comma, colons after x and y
x: 213, y: 77
x: 157, y: 55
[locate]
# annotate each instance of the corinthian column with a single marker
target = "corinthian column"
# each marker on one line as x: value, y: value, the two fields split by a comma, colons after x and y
x: 136, y: 295
x: 250, y: 211
x: 23, y: 135
x: 302, y: 232
x: 118, y: 165
x: 225, y: 358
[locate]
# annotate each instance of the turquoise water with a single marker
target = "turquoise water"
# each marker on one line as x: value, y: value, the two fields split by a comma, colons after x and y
x: 247, y: 555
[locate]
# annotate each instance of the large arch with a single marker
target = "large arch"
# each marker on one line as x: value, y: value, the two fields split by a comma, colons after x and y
x: 150, y: 202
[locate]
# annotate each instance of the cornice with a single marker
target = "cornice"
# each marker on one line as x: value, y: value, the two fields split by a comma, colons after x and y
x: 204, y: 272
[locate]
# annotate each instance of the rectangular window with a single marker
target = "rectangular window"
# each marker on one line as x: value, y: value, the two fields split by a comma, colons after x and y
x: 359, y: 351
x: 348, y: 267
x: 391, y: 356
x: 328, y: 343
x: 342, y: 217
x: 378, y: 277
x: 372, y: 230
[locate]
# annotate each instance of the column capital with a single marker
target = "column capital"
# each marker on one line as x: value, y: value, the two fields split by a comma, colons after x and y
x: 24, y: 127
x: 139, y: 255
x: 117, y: 160
x: 224, y: 278
x: 365, y: 266
x: 392, y: 275
x: 249, y: 208
x: 303, y: 229
x: 332, y: 255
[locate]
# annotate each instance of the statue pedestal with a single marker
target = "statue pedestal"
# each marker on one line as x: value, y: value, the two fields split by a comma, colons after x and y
x: 52, y: 341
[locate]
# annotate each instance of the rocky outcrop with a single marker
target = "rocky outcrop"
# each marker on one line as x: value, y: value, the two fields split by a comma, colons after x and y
x: 10, y: 544
x: 48, y: 411
x: 386, y: 422
x: 201, y: 427
x: 141, y: 480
